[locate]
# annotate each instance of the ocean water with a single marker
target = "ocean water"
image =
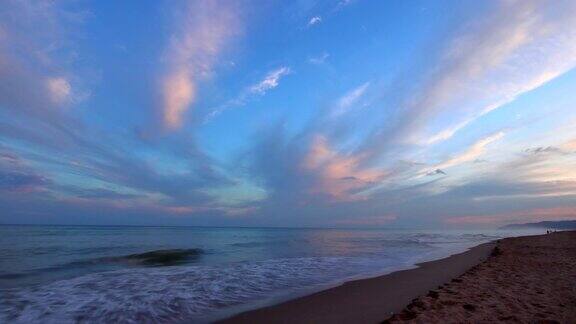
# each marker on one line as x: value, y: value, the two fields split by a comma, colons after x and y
x: 63, y: 274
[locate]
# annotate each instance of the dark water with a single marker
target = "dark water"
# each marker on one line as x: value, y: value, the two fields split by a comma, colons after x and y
x: 61, y: 274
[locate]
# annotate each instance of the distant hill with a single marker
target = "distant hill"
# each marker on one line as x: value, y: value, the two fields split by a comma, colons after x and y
x: 568, y: 224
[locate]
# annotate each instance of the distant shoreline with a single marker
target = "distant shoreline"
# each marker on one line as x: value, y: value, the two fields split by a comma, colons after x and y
x: 368, y: 300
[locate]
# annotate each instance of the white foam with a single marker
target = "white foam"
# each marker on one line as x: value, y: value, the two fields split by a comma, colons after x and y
x: 166, y: 294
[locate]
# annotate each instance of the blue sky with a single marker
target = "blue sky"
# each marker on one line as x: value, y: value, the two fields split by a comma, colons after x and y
x: 287, y: 113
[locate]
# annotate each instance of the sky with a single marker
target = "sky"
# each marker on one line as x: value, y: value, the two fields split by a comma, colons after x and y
x: 314, y: 113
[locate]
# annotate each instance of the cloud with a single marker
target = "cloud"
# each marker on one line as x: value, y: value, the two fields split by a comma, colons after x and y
x: 82, y: 162
x: 569, y: 146
x: 491, y: 61
x: 317, y: 19
x: 320, y: 59
x: 354, y: 164
x: 17, y: 177
x: 342, y: 4
x: 74, y: 160
x: 306, y: 170
x: 435, y: 172
x: 59, y: 89
x: 36, y: 54
x: 102, y: 193
x: 179, y: 92
x: 314, y: 20
x: 350, y: 99
x: 348, y: 171
x: 21, y: 181
x: 523, y: 46
x: 204, y: 29
x: 472, y: 153
x: 543, y: 150
x: 338, y: 176
x: 508, y: 191
x: 271, y: 81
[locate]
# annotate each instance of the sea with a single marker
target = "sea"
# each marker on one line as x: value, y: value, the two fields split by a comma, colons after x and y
x: 135, y: 274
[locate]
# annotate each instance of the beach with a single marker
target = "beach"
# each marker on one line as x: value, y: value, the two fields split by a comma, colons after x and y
x: 527, y: 279
x: 522, y: 279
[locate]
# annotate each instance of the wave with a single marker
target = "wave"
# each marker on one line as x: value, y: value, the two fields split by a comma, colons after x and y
x: 158, y: 257
x: 167, y: 294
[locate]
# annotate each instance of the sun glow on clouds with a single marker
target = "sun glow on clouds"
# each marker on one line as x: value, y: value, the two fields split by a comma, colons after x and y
x: 179, y: 91
x: 205, y: 29
x: 339, y: 176
x: 60, y: 89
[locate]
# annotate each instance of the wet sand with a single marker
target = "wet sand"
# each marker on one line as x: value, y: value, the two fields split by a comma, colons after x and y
x: 529, y: 279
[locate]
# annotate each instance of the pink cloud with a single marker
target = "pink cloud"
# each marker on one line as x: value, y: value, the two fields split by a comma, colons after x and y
x: 205, y: 29
x: 179, y: 90
x: 59, y: 89
x: 156, y: 206
x: 338, y: 176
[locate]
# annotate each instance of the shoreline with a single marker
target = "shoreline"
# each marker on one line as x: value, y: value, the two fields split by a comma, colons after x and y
x: 369, y: 300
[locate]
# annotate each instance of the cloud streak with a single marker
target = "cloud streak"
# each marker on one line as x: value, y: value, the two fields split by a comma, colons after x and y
x: 471, y: 154
x: 489, y: 63
x: 271, y: 81
x: 350, y: 99
x: 526, y: 44
x: 204, y: 30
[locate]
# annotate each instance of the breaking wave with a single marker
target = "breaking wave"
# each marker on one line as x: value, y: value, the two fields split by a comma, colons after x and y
x: 169, y: 294
x: 158, y: 257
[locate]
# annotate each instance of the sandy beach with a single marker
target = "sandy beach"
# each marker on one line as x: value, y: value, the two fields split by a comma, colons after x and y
x: 528, y: 279
x: 524, y: 279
